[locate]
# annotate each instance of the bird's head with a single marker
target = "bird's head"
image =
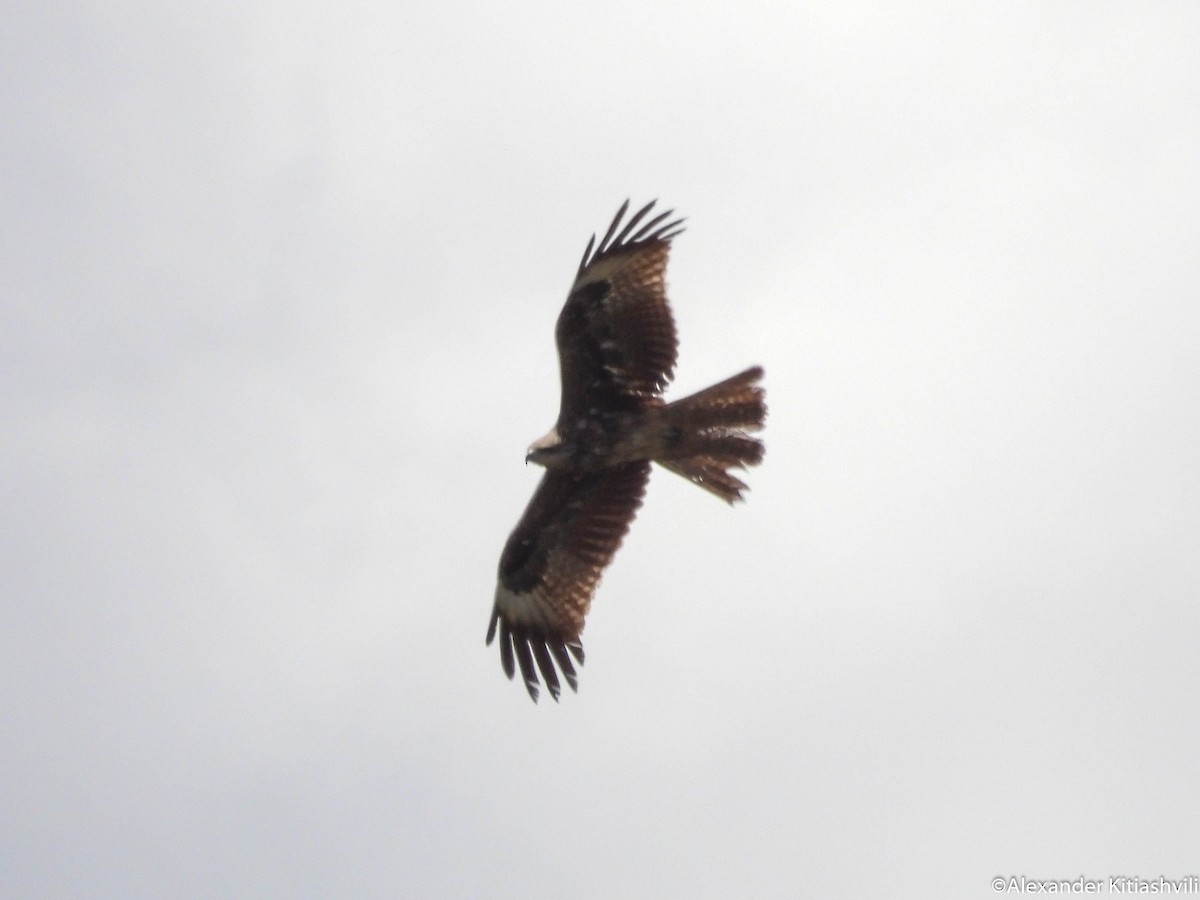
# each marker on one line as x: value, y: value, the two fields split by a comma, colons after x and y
x: 548, y: 450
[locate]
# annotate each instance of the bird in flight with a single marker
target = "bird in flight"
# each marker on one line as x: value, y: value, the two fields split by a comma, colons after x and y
x: 616, y: 352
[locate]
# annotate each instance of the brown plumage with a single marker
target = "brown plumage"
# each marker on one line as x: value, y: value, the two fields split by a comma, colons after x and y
x: 616, y: 349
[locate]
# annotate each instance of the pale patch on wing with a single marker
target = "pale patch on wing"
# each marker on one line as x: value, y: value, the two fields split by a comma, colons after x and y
x: 528, y: 610
x: 602, y: 269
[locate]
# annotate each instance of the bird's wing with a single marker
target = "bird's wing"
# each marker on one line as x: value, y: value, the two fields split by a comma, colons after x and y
x: 615, y: 334
x: 552, y: 563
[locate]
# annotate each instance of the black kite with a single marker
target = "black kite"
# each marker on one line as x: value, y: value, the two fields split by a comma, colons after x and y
x: 616, y: 350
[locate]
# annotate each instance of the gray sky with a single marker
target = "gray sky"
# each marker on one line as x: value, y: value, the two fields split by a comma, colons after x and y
x: 277, y: 291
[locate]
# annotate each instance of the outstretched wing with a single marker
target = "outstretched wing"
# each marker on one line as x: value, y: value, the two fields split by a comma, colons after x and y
x: 552, y: 563
x: 615, y: 334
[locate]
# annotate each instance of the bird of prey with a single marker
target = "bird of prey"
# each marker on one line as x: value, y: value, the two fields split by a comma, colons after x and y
x: 616, y: 351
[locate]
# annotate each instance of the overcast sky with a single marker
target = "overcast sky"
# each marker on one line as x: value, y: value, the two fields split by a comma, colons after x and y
x: 277, y: 292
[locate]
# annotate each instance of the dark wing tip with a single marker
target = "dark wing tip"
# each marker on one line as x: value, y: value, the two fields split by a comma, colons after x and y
x: 541, y: 654
x: 654, y: 230
x: 576, y: 649
x: 612, y: 228
x: 558, y: 649
x: 506, y: 651
x: 525, y: 661
x: 534, y: 655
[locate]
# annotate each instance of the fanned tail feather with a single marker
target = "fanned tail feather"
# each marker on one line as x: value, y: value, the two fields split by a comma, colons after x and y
x: 705, y: 434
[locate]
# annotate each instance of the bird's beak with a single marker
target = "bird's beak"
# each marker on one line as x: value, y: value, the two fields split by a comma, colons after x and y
x: 539, y: 449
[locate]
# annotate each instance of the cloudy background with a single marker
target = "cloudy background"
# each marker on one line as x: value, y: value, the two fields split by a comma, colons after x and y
x: 277, y: 290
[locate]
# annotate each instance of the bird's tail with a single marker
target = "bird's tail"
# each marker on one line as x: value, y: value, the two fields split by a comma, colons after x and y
x: 705, y: 434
